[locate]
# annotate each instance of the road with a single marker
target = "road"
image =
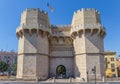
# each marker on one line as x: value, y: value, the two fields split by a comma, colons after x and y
x: 7, y: 82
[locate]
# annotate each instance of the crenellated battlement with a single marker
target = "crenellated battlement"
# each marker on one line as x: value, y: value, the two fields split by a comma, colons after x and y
x: 86, y: 16
x: 36, y: 10
x: 60, y: 30
x: 90, y: 9
x: 34, y: 17
x: 61, y: 27
x: 87, y: 10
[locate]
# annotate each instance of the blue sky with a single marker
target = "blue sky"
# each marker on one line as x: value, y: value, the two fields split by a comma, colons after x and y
x: 10, y: 12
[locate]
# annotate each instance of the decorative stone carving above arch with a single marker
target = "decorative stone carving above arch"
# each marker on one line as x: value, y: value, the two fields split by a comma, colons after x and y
x: 61, y: 40
x: 54, y: 40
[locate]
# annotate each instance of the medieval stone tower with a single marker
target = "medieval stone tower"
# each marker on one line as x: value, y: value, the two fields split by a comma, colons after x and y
x: 45, y: 50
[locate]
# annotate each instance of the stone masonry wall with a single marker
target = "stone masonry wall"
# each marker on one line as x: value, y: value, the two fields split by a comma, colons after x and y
x: 67, y: 62
x: 29, y: 66
x: 20, y: 66
x: 80, y: 57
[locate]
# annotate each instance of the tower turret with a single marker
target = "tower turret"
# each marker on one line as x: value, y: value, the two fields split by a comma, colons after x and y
x: 33, y: 47
x: 88, y: 34
x: 34, y: 18
x: 86, y: 16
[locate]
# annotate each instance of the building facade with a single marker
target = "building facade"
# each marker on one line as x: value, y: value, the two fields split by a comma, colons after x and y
x: 61, y: 51
x: 111, y: 64
x: 8, y: 57
x: 118, y: 66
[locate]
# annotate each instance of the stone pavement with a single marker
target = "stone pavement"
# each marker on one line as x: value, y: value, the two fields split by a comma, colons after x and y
x: 9, y: 82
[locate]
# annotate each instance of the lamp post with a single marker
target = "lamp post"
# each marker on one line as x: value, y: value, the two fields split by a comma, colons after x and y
x: 94, y: 71
x: 87, y: 77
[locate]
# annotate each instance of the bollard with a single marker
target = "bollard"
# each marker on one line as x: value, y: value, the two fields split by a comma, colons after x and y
x: 37, y: 79
x: 103, y: 79
x: 70, y: 80
x: 54, y: 79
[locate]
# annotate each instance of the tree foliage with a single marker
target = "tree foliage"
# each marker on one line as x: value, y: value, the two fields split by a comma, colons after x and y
x: 3, y: 66
x: 14, y: 67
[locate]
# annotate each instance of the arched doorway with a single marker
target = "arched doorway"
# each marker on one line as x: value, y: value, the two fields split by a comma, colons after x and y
x: 61, y: 71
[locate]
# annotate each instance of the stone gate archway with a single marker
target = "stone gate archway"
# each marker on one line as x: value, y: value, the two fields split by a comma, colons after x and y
x: 61, y: 71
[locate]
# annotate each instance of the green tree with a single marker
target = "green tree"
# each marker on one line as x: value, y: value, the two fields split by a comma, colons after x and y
x: 3, y: 66
x: 14, y: 67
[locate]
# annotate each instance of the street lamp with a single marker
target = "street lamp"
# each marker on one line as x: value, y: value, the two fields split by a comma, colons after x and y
x: 87, y: 76
x: 94, y: 71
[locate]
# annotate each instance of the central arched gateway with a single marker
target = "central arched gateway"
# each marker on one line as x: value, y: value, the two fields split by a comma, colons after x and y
x: 61, y: 71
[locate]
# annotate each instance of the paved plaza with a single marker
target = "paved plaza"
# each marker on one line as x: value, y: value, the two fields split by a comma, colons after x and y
x: 9, y: 82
